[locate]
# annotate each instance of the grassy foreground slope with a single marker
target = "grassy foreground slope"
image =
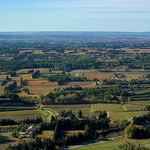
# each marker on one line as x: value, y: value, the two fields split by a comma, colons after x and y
x: 111, y: 145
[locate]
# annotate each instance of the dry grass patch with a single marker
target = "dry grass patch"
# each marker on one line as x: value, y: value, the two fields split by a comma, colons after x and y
x: 46, y: 134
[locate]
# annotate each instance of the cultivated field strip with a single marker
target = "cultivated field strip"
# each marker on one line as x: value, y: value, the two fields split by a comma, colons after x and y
x: 18, y: 115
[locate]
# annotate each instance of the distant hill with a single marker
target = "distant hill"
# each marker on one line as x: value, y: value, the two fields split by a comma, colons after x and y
x: 69, y: 36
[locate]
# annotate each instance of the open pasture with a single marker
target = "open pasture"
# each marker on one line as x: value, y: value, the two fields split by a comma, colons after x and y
x: 18, y: 115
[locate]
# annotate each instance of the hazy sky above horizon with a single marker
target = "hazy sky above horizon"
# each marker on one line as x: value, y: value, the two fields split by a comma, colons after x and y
x: 75, y: 15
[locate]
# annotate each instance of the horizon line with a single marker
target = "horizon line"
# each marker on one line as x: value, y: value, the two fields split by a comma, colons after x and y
x: 73, y: 31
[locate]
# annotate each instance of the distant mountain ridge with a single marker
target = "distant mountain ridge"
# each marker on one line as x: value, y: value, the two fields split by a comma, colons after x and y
x: 74, y: 33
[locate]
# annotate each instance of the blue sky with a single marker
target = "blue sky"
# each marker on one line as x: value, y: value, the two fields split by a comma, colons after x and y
x: 75, y: 15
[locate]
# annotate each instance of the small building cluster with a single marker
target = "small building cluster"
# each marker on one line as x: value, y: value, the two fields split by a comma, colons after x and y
x: 28, y: 132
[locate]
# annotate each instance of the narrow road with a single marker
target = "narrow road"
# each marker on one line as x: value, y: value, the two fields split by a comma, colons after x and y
x: 50, y: 112
x: 84, y: 144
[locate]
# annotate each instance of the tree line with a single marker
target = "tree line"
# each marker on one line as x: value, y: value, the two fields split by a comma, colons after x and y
x: 87, y: 95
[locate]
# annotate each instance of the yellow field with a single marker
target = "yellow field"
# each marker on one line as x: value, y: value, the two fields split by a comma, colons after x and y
x: 46, y: 134
x: 99, y: 76
x: 49, y: 134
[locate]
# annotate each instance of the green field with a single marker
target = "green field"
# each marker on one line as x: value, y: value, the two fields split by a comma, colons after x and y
x: 18, y: 115
x: 140, y: 103
x: 15, y: 108
x: 115, y: 111
x: 75, y: 108
x: 111, y: 145
x: 125, y: 115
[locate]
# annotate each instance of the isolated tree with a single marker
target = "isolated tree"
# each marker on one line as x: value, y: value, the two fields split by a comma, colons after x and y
x: 95, y: 80
x: 21, y: 81
x: 50, y: 70
x: 7, y: 78
x: 56, y: 133
x: 79, y: 114
x: 63, y: 72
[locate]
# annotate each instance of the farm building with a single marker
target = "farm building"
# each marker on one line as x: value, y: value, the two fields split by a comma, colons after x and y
x: 28, y: 132
x: 80, y: 75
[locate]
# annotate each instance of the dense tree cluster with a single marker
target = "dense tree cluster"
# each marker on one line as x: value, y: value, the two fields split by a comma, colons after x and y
x: 141, y: 119
x: 5, y: 122
x: 125, y: 82
x: 61, y: 79
x: 136, y: 132
x: 36, y: 74
x: 37, y: 144
x: 88, y: 95
x: 11, y: 87
x: 131, y: 146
